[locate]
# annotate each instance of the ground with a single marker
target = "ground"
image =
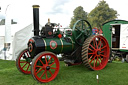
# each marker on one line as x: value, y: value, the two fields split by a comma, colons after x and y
x: 115, y: 73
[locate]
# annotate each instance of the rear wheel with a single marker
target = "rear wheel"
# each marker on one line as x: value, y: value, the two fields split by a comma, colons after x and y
x: 48, y: 67
x: 95, y: 52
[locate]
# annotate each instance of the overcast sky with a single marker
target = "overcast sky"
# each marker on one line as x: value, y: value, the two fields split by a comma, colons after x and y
x: 59, y: 11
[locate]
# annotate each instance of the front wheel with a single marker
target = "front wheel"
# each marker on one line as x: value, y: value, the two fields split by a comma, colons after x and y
x: 48, y: 67
x: 23, y: 62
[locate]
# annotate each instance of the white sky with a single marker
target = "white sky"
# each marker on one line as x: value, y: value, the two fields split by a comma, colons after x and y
x: 59, y: 11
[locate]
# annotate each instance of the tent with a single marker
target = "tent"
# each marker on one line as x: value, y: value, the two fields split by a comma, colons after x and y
x: 20, y: 35
x: 19, y: 40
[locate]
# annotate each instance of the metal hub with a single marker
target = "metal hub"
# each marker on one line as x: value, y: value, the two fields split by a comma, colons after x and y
x: 98, y: 52
x: 48, y: 67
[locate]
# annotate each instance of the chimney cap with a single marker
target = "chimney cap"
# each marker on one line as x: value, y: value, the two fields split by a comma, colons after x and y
x: 35, y: 6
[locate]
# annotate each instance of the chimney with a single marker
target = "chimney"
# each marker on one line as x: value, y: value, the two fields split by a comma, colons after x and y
x: 36, y: 19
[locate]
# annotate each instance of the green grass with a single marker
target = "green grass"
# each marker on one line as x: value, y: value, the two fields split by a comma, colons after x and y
x: 115, y: 73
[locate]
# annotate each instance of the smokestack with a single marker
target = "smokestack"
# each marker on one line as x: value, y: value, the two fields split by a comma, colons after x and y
x: 36, y: 19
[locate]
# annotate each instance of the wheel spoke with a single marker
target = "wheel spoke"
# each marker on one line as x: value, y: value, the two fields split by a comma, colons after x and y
x: 50, y: 72
x: 100, y: 58
x: 90, y: 57
x: 49, y: 59
x: 79, y: 36
x: 94, y: 43
x: 102, y: 55
x: 94, y: 63
x: 102, y: 51
x: 99, y: 61
x: 91, y: 46
x: 41, y: 61
x: 42, y: 74
x: 91, y: 53
x: 23, y: 62
x: 53, y: 68
x: 90, y: 49
x: 39, y: 71
x: 92, y: 60
x: 39, y: 66
x: 46, y: 75
x: 99, y: 44
x: 46, y: 60
x: 52, y: 63
x: 28, y: 67
x: 96, y: 60
x: 78, y: 29
x: 104, y: 47
x: 24, y: 65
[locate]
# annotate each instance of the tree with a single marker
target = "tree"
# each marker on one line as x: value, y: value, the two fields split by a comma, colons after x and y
x: 78, y: 13
x: 101, y: 13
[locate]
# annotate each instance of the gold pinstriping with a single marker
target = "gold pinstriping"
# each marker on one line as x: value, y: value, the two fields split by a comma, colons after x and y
x: 61, y: 44
x: 45, y: 44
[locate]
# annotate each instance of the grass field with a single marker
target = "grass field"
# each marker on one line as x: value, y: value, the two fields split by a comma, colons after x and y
x: 115, y: 73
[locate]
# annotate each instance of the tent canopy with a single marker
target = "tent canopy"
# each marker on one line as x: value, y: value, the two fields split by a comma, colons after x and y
x: 21, y: 39
x: 20, y: 36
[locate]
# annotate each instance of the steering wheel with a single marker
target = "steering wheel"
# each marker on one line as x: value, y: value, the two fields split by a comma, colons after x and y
x: 81, y: 30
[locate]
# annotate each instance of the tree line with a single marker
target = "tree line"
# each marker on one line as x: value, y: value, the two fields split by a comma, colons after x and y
x: 99, y: 15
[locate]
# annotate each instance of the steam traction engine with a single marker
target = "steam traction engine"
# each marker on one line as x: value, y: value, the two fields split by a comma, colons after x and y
x: 76, y: 45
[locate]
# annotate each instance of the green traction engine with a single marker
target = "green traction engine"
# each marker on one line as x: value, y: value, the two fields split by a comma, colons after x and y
x: 76, y: 46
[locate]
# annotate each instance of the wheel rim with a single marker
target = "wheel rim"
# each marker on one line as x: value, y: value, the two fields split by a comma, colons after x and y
x: 81, y: 31
x: 97, y: 52
x: 48, y: 65
x: 24, y: 62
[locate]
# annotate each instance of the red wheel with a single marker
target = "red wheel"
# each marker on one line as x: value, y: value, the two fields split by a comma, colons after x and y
x: 95, y: 52
x: 23, y: 62
x: 48, y: 67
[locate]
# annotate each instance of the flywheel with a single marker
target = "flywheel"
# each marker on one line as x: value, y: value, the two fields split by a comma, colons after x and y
x: 95, y: 52
x: 81, y: 30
